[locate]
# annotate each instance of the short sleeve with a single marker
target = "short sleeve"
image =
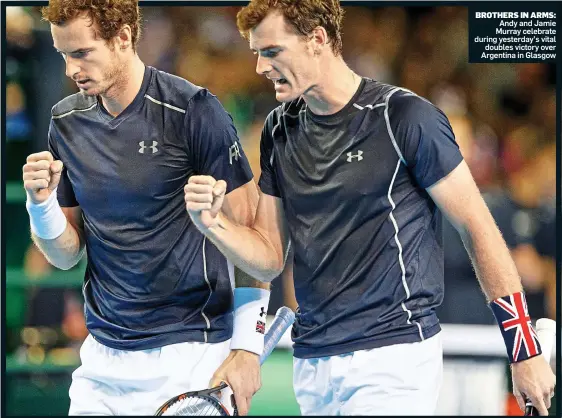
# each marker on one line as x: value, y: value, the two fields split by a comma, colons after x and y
x: 65, y: 192
x: 268, y: 180
x: 213, y: 142
x: 424, y: 137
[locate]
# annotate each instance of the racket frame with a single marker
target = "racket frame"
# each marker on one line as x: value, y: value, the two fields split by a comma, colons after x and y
x: 202, y: 394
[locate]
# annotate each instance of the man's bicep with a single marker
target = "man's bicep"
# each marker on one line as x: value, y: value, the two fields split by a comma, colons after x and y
x: 458, y: 197
x: 250, y: 207
x: 240, y: 204
x: 424, y: 137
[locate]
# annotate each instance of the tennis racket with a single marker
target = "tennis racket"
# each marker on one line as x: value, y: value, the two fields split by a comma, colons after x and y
x: 546, y: 332
x: 207, y: 402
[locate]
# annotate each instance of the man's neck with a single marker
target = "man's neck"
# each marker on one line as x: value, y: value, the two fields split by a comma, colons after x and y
x: 124, y: 92
x: 336, y: 88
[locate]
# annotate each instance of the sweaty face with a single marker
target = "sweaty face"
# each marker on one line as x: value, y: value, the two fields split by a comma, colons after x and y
x: 90, y: 62
x: 284, y: 57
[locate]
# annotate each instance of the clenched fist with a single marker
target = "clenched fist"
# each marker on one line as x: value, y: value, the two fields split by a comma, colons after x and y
x: 41, y: 175
x: 204, y: 197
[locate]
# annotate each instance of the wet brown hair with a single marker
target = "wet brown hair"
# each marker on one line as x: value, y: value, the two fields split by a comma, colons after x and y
x: 302, y: 15
x: 108, y: 15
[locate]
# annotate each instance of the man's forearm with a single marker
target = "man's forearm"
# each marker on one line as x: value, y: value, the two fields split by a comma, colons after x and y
x: 247, y: 249
x: 243, y: 279
x: 64, y: 251
x: 491, y: 260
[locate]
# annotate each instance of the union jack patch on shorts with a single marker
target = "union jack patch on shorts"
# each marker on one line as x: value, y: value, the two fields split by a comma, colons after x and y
x: 260, y: 327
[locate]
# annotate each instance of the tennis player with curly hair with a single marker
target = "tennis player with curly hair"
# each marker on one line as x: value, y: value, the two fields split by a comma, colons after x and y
x: 355, y: 175
x: 159, y: 296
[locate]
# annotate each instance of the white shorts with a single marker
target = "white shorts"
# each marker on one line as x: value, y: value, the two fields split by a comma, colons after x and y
x: 120, y: 382
x: 401, y: 379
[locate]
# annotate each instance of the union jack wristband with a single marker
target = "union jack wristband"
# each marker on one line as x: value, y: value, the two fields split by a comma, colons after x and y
x: 515, y: 325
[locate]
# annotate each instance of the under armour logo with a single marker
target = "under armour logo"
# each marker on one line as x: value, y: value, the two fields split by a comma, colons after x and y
x: 152, y: 147
x: 233, y: 152
x: 262, y: 313
x: 359, y: 156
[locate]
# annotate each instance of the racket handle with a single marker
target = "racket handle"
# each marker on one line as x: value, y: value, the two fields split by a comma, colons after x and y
x: 530, y: 410
x: 546, y: 332
x: 284, y: 318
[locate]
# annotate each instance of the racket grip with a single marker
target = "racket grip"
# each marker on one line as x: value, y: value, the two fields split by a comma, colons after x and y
x: 284, y: 318
x: 530, y: 410
x: 546, y: 332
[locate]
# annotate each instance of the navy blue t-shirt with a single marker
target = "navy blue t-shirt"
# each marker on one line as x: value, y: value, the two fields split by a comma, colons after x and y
x: 368, y: 255
x: 152, y: 279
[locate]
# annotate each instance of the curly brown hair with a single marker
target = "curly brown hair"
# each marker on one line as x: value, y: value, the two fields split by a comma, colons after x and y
x: 109, y: 15
x: 302, y: 15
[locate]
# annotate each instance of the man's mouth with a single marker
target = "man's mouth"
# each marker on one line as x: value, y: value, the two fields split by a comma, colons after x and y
x: 280, y: 81
x: 83, y: 82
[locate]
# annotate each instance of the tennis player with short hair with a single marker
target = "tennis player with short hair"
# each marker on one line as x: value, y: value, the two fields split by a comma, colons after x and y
x: 356, y: 174
x: 158, y: 294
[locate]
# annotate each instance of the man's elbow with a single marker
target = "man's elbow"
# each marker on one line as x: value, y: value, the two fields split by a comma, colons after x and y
x: 68, y: 262
x: 65, y: 267
x: 273, y: 271
x: 64, y: 264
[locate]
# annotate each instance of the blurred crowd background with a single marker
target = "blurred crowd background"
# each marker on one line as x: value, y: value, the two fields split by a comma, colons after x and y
x: 503, y: 116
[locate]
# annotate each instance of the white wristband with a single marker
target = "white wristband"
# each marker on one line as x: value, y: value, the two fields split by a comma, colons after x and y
x: 46, y: 219
x: 250, y: 312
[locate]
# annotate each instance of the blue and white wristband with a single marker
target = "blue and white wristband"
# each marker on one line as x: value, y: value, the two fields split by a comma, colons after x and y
x: 46, y: 219
x: 250, y: 313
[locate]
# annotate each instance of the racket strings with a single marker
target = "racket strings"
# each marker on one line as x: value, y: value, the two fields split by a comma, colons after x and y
x: 195, y: 407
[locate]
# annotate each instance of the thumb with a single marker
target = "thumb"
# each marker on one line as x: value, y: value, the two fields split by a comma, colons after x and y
x: 216, y: 381
x: 520, y: 399
x: 219, y: 188
x: 56, y: 172
x: 219, y: 191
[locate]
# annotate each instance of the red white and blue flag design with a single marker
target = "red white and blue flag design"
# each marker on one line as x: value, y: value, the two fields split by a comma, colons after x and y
x: 518, y: 333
